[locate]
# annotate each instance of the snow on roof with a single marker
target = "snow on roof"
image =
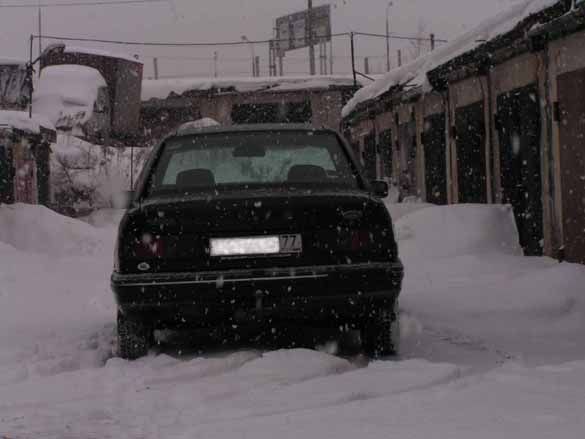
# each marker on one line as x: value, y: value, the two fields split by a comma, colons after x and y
x: 11, y: 62
x: 206, y: 122
x: 415, y: 73
x: 21, y: 121
x: 101, y: 52
x: 162, y: 88
x: 66, y: 94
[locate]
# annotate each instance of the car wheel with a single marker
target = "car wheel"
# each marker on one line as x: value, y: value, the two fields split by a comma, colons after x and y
x: 381, y: 334
x: 134, y: 338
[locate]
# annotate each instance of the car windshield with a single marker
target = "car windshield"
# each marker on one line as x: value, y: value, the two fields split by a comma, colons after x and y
x: 255, y: 160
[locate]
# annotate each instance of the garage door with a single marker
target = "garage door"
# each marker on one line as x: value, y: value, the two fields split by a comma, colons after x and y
x: 572, y: 160
x: 471, y: 160
x: 520, y: 153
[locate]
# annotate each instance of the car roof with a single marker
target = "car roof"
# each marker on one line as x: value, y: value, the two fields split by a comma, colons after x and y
x: 245, y: 128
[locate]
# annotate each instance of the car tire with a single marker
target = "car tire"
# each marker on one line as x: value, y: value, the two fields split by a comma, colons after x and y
x: 134, y: 338
x: 381, y: 334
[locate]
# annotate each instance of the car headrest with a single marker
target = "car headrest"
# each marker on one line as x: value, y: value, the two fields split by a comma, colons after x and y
x: 306, y: 173
x: 196, y: 178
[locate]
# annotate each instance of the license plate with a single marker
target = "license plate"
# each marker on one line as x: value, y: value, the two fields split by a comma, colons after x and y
x: 291, y: 243
x: 256, y: 246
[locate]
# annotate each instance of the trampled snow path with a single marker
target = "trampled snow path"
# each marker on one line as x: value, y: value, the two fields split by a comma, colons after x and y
x: 492, y: 347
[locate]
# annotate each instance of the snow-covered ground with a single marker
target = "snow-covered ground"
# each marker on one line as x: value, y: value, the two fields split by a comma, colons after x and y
x: 492, y: 346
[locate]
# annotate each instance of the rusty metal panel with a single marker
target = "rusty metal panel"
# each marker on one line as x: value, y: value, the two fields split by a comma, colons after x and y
x: 571, y: 87
x: 25, y: 182
x: 369, y: 155
x: 386, y: 153
x: 6, y: 169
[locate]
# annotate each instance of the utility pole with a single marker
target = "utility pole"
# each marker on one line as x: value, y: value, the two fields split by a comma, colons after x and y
x: 270, y: 58
x: 215, y: 59
x: 367, y: 65
x: 311, y: 44
x: 390, y: 4
x: 433, y: 42
x: 155, y: 65
x: 40, y: 35
x: 352, y: 37
x: 325, y: 55
x: 331, y: 56
x: 399, y: 58
x: 29, y: 77
x: 280, y: 64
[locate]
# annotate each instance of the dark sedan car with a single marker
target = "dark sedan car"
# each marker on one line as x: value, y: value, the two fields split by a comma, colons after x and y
x: 253, y: 224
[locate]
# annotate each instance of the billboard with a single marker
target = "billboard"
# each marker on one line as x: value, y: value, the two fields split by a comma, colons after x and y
x: 292, y: 31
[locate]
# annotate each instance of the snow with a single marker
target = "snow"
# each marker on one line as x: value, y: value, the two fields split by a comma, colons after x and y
x: 101, y: 52
x: 86, y: 177
x: 464, y: 230
x: 492, y: 346
x: 12, y: 62
x: 67, y: 94
x: 162, y: 88
x: 414, y: 74
x: 36, y: 229
x: 206, y: 122
x: 21, y: 121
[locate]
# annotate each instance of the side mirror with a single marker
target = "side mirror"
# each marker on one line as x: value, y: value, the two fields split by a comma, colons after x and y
x: 124, y: 199
x: 380, y: 188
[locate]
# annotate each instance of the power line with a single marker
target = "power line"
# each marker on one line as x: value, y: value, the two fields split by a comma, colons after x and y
x: 218, y: 44
x: 77, y: 3
x: 165, y: 44
x: 399, y: 37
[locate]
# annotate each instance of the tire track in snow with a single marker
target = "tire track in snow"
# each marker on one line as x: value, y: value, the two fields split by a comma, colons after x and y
x: 446, y: 344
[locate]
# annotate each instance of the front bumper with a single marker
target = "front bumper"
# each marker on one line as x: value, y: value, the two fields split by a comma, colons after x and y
x: 305, y: 293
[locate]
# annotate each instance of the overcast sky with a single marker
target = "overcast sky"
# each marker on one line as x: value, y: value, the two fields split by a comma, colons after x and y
x: 228, y: 20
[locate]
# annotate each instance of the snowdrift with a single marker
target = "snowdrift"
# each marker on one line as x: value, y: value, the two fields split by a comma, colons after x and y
x: 21, y: 121
x: 447, y: 231
x: 465, y: 273
x: 36, y: 229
